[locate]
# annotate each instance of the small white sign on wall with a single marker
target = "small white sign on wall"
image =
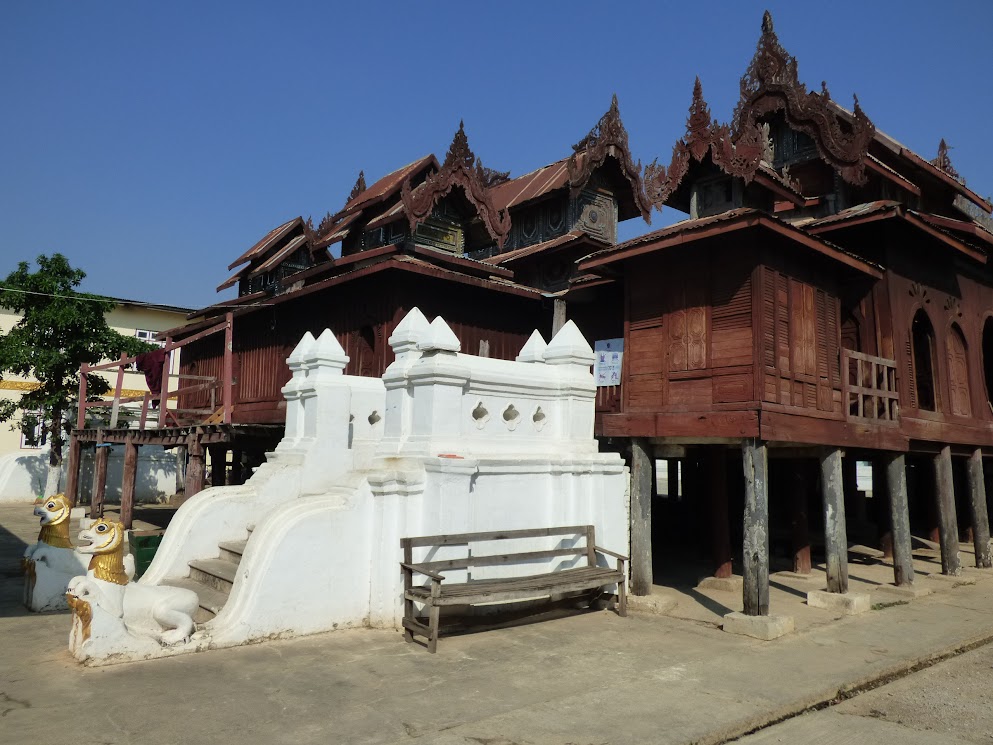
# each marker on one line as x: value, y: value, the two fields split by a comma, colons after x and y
x: 607, y: 365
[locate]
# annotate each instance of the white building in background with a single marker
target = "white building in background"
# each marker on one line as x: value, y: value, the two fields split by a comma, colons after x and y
x: 23, y: 467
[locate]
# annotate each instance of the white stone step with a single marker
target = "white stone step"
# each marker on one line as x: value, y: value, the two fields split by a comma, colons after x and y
x: 232, y: 550
x: 216, y: 573
x: 211, y: 599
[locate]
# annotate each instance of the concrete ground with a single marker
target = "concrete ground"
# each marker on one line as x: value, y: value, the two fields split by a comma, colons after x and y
x: 587, y: 677
x: 951, y: 702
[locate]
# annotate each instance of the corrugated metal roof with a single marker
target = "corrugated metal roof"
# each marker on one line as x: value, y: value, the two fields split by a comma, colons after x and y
x: 279, y: 255
x: 389, y: 183
x: 852, y: 213
x: 267, y: 240
x: 531, y: 185
x: 562, y: 240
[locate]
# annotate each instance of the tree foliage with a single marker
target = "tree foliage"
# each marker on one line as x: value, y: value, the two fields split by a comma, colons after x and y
x: 60, y: 329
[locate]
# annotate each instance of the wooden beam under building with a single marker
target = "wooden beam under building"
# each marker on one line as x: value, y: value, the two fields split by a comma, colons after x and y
x: 835, y: 533
x: 642, y: 467
x: 755, y: 585
x: 948, y: 529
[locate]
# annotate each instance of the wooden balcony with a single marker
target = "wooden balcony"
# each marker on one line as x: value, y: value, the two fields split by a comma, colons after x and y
x: 870, y: 388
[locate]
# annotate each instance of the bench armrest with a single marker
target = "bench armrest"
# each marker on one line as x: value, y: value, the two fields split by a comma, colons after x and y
x: 422, y: 570
x: 608, y: 552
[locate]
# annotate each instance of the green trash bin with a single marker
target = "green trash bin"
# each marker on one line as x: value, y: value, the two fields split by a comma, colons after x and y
x: 144, y: 544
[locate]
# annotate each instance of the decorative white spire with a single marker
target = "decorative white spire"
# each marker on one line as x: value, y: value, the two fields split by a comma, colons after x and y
x: 569, y: 347
x: 439, y: 338
x: 534, y: 349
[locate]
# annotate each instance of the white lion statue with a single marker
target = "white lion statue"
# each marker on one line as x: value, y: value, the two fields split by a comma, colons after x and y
x: 50, y: 563
x: 111, y: 614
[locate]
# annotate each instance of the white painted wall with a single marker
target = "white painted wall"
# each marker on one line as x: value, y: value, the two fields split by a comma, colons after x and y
x: 366, y: 462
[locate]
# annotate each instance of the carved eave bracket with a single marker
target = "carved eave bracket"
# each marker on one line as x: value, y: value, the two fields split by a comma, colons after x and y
x: 704, y: 135
x: 771, y: 84
x: 461, y: 168
x: 608, y: 137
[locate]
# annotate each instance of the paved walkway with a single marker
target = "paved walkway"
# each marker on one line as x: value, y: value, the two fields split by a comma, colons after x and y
x: 583, y: 678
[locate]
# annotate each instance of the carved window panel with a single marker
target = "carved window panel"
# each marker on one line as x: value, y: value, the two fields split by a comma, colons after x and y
x: 958, y: 372
x: 686, y: 343
x: 804, y: 329
x: 596, y: 214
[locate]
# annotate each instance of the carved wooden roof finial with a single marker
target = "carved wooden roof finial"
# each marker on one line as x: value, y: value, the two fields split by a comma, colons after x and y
x: 358, y: 188
x: 944, y: 162
x: 771, y: 84
x: 461, y: 168
x: 608, y: 137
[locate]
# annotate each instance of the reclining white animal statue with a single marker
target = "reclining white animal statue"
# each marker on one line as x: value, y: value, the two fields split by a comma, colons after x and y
x: 50, y: 563
x: 111, y: 612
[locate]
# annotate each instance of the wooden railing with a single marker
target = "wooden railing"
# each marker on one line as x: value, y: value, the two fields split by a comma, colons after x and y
x: 185, y: 385
x: 870, y: 387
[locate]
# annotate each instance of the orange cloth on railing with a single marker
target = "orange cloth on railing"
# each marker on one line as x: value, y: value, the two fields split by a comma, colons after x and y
x: 151, y: 363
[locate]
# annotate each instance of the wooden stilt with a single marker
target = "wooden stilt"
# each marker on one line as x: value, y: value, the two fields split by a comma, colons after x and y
x: 128, y: 481
x: 719, y: 521
x: 881, y: 499
x: 896, y: 489
x: 977, y: 504
x: 947, y: 520
x: 641, y: 516
x: 180, y: 468
x: 835, y: 535
x: 800, y: 524
x: 558, y: 315
x: 756, y: 534
x: 237, y: 474
x: 195, y: 469
x: 72, y: 475
x: 218, y: 465
x: 99, y: 476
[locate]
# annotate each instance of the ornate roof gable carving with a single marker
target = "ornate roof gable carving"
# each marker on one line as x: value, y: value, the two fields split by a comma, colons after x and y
x: 358, y: 188
x: 771, y: 84
x: 945, y: 163
x: 462, y: 168
x: 608, y: 137
x: 703, y: 135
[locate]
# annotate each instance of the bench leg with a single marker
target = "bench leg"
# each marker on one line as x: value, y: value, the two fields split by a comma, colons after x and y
x: 622, y: 590
x: 408, y: 615
x: 435, y: 622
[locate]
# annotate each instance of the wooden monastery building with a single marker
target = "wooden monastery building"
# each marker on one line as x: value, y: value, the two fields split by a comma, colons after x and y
x: 827, y: 301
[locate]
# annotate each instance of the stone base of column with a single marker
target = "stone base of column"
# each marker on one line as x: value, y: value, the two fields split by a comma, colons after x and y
x: 800, y: 576
x: 900, y: 592
x: 849, y: 603
x: 765, y: 628
x: 656, y: 603
x: 734, y: 583
x: 950, y: 579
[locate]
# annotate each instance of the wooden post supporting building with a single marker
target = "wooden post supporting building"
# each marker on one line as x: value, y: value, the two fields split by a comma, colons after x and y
x: 896, y: 488
x: 948, y: 529
x: 641, y: 516
x: 195, y: 469
x: 799, y: 523
x: 218, y: 465
x: 99, y: 476
x: 72, y: 477
x: 128, y: 481
x: 977, y: 505
x: 755, y: 586
x: 720, y: 528
x: 835, y: 535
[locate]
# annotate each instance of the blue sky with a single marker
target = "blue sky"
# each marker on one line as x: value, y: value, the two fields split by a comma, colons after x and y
x: 152, y: 143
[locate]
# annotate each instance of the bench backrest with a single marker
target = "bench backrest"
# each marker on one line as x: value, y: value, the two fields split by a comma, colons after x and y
x: 465, y: 539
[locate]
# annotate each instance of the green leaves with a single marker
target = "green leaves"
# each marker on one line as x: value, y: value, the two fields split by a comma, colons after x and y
x: 60, y: 329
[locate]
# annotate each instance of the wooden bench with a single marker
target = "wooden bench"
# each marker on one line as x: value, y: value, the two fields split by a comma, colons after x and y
x: 437, y: 593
